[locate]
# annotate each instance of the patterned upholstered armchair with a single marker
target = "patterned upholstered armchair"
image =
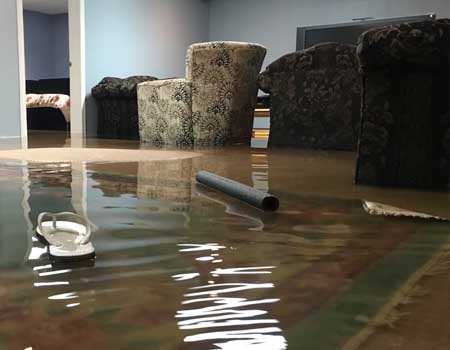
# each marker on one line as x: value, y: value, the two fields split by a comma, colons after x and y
x: 213, y: 106
x: 405, y: 133
x: 316, y: 98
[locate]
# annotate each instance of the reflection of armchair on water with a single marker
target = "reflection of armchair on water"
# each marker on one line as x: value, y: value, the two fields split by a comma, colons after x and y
x: 165, y: 181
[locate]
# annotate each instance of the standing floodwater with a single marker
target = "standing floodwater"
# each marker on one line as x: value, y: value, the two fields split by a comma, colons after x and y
x: 182, y: 267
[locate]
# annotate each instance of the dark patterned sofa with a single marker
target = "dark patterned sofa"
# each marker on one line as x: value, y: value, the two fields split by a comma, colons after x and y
x: 47, y: 118
x: 404, y: 137
x: 316, y: 98
x: 116, y: 101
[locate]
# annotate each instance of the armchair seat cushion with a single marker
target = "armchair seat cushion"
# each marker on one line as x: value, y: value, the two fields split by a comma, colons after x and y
x: 165, y: 112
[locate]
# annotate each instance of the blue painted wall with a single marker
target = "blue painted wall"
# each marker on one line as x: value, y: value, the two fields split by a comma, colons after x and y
x: 139, y: 37
x: 46, y: 45
x: 60, y: 35
x: 273, y: 23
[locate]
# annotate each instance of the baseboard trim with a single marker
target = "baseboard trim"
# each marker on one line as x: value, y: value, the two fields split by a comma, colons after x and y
x: 10, y: 137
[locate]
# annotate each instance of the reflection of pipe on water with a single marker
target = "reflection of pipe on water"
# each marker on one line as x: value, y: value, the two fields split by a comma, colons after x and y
x: 259, y: 224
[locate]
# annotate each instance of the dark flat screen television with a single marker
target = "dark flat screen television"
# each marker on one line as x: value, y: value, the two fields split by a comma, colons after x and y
x: 348, y: 33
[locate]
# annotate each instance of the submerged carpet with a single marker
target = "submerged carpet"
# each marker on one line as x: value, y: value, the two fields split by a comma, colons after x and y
x: 92, y: 155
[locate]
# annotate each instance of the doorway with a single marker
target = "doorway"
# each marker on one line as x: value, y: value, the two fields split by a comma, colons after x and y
x: 51, y: 55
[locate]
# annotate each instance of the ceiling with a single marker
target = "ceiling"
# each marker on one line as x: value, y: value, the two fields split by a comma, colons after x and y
x: 51, y: 7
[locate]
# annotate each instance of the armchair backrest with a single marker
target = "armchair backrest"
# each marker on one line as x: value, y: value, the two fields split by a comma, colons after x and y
x: 315, y: 95
x: 224, y: 80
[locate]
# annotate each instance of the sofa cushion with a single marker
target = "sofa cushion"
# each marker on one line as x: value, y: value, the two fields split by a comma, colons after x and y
x: 31, y: 86
x: 54, y: 86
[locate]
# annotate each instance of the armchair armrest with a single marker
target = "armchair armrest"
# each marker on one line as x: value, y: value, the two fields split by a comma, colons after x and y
x: 165, y: 112
x: 178, y: 90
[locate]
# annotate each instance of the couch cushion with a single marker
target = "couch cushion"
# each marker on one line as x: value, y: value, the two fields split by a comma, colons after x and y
x: 54, y: 86
x: 32, y: 86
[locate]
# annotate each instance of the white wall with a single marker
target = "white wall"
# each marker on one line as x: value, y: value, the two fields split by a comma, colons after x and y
x: 140, y: 37
x: 9, y: 71
x: 273, y: 23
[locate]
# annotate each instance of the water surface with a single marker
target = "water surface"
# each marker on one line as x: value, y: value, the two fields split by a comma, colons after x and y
x: 180, y: 266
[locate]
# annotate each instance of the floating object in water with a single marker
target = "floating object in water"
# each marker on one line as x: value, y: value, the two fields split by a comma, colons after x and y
x: 67, y: 236
x: 259, y: 199
x: 380, y: 209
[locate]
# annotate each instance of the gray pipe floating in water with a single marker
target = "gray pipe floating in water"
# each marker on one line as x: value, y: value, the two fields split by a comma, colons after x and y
x: 259, y: 199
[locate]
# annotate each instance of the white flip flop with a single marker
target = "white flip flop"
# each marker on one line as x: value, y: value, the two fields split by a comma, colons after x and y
x: 67, y: 236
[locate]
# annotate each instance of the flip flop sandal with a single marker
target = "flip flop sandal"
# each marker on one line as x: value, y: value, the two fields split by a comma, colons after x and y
x: 67, y: 236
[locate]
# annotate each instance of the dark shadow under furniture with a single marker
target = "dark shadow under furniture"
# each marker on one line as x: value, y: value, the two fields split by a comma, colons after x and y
x: 47, y: 118
x: 316, y: 98
x: 404, y: 138
x: 116, y: 101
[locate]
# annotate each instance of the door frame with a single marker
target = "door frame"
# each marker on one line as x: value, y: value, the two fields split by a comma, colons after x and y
x: 22, y: 76
x: 77, y: 58
x: 77, y: 64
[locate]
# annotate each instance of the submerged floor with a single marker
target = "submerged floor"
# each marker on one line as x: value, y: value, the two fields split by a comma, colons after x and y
x: 182, y: 267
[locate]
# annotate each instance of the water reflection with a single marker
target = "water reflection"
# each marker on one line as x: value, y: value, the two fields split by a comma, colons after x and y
x: 183, y: 267
x: 232, y: 207
x: 157, y: 196
x: 127, y: 221
x: 227, y: 315
x: 260, y: 171
x: 15, y: 230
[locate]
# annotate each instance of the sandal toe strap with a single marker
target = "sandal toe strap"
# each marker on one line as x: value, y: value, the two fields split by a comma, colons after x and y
x: 83, y: 238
